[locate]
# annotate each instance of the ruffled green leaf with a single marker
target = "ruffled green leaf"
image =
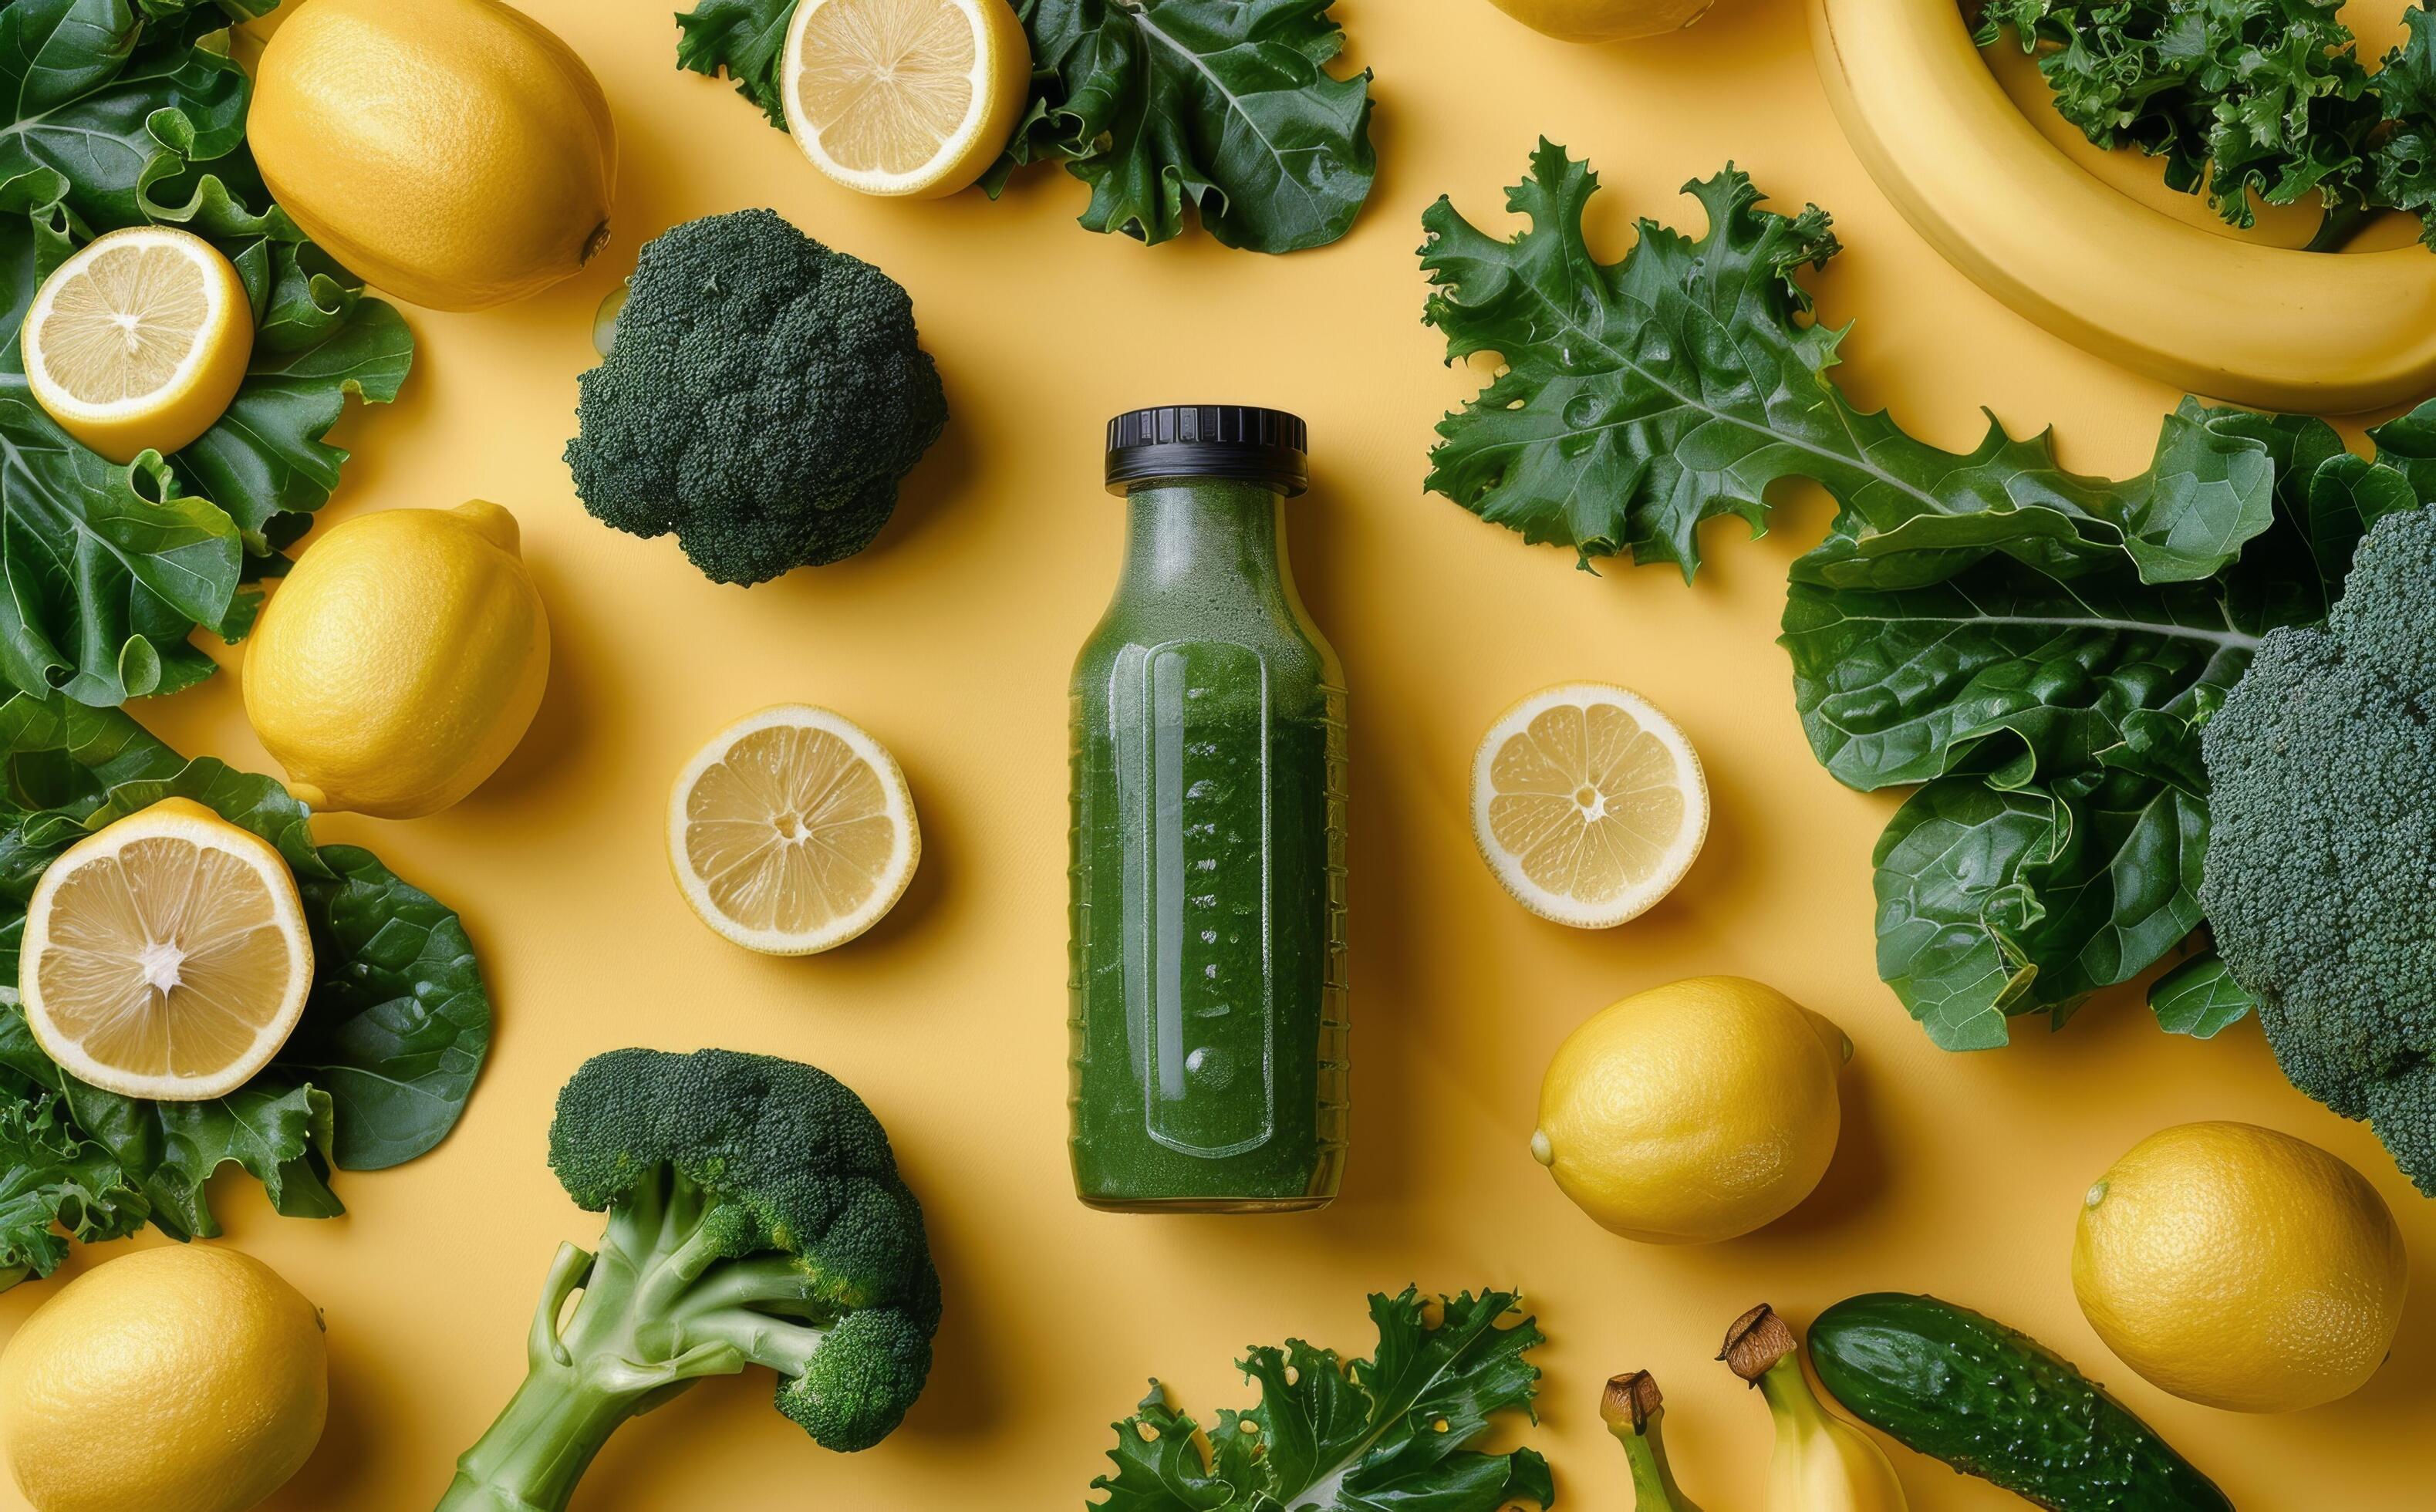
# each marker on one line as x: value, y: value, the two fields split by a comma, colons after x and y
x: 377, y: 1070
x: 125, y: 118
x: 1397, y: 1430
x: 1643, y: 398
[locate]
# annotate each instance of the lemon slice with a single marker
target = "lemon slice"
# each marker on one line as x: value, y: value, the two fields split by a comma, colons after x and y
x: 165, y: 956
x: 910, y: 97
x: 1588, y: 804
x: 139, y: 341
x: 792, y: 831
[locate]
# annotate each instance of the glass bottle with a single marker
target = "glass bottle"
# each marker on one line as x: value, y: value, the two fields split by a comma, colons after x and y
x: 1206, y: 952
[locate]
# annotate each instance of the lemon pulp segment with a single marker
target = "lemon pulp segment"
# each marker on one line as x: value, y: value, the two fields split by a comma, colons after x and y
x: 789, y: 831
x: 1587, y: 800
x: 164, y: 958
x: 884, y: 82
x: 124, y: 326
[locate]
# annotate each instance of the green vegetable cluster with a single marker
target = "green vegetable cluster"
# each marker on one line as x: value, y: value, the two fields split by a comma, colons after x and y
x: 375, y: 1073
x: 122, y: 114
x: 2321, y: 877
x: 2244, y: 98
x: 1224, y: 106
x: 763, y: 397
x: 756, y: 1218
x: 2033, y: 651
x: 1397, y: 1430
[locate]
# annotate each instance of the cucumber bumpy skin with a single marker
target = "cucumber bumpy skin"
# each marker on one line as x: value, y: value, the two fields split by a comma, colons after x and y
x: 1995, y: 1404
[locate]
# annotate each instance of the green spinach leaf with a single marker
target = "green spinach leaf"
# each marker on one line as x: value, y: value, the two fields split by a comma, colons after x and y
x: 2198, y: 998
x: 1224, y: 106
x: 377, y: 1073
x: 122, y: 118
x: 1395, y: 1429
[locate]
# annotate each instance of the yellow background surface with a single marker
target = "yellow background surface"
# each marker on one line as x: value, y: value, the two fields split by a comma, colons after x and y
x: 950, y: 641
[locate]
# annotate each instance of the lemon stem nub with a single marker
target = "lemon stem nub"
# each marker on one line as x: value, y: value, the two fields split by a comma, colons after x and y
x: 1631, y: 1408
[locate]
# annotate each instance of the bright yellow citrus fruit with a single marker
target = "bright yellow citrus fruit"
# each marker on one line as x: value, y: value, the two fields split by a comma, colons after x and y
x: 184, y: 1378
x: 792, y: 831
x: 1693, y: 1112
x: 908, y: 97
x: 139, y: 342
x: 2240, y: 1267
x: 453, y: 153
x: 1588, y: 804
x: 400, y: 661
x: 166, y: 955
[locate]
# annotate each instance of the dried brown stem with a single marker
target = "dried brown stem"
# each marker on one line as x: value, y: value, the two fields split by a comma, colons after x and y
x: 1630, y: 1401
x: 1757, y: 1340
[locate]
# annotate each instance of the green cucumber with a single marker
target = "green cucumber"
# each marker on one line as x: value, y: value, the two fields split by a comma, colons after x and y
x: 1998, y: 1404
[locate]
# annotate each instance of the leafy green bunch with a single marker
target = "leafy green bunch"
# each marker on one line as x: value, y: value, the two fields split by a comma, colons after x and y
x: 2032, y: 651
x: 121, y: 115
x: 1397, y: 1430
x: 375, y: 1073
x: 1226, y: 106
x: 2244, y: 97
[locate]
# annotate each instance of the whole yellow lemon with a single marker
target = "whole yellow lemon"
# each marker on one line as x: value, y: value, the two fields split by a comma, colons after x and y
x: 1693, y: 1112
x: 186, y: 1378
x: 1605, y: 20
x: 453, y: 153
x: 2240, y: 1267
x: 401, y: 661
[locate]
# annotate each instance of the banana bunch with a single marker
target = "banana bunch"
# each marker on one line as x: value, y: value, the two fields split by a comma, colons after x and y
x: 1821, y: 1463
x: 2311, y: 332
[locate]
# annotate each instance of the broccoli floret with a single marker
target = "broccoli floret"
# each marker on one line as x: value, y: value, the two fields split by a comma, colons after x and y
x: 2319, y: 879
x: 761, y: 398
x: 756, y: 1217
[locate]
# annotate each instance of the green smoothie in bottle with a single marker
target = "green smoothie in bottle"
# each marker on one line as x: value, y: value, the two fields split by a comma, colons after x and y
x: 1206, y: 954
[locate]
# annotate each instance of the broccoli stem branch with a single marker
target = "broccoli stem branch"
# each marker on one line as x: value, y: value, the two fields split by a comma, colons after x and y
x: 625, y: 1351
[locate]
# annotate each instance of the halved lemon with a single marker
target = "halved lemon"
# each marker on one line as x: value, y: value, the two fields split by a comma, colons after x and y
x: 792, y: 831
x: 139, y: 342
x: 1588, y: 804
x: 165, y: 956
x: 907, y: 98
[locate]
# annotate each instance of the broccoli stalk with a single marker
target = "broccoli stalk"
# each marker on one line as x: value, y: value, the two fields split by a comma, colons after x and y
x: 755, y: 1218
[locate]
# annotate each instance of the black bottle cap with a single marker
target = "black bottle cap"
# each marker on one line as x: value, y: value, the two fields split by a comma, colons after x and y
x: 1243, y: 443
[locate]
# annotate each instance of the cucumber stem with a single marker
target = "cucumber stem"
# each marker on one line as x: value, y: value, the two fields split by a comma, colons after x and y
x: 1631, y: 1408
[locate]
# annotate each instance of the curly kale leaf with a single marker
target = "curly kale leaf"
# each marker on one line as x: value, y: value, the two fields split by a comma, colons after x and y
x: 1395, y: 1429
x: 120, y: 117
x: 2240, y: 98
x: 377, y: 1073
x: 1224, y: 106
x: 1642, y: 398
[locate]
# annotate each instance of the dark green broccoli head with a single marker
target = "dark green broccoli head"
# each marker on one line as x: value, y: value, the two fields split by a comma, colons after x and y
x: 763, y: 398
x: 2320, y: 880
x: 789, y: 1159
x: 756, y: 1218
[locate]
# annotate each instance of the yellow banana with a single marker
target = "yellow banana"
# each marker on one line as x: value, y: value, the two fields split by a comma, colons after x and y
x: 1822, y: 1463
x: 2232, y: 319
